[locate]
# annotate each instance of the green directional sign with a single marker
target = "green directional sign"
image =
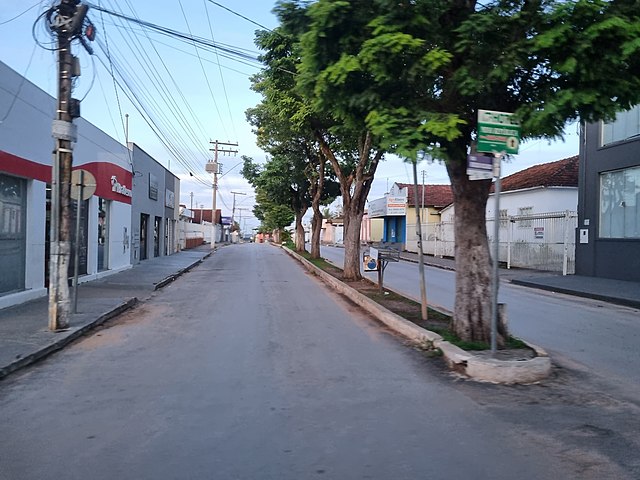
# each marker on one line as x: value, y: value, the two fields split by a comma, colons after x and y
x: 497, y: 132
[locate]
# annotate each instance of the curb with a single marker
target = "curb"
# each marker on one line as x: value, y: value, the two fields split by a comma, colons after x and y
x: 475, y: 367
x: 66, y: 339
x: 429, y: 264
x: 167, y: 280
x: 625, y: 302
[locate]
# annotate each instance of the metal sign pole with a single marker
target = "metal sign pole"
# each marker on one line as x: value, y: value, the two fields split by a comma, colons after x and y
x: 76, y: 257
x: 496, y: 253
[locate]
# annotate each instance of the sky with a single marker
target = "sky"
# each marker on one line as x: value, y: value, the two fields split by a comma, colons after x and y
x: 192, y: 94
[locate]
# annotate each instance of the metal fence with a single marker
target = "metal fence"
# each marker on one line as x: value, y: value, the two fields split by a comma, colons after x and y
x: 544, y: 241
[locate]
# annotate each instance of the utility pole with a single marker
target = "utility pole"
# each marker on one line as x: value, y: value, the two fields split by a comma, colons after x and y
x: 424, y: 173
x: 233, y: 210
x: 423, y: 285
x: 66, y: 20
x: 191, y: 195
x: 216, y: 168
x: 240, y: 221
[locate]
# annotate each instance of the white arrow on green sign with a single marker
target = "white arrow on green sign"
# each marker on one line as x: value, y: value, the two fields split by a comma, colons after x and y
x: 497, y: 132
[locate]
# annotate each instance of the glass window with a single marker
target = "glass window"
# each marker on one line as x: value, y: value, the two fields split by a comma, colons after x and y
x: 13, y: 203
x: 626, y: 125
x: 619, y: 199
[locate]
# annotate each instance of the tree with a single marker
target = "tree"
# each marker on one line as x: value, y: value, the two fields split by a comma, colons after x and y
x: 281, y: 181
x: 425, y: 67
x: 340, y: 104
x: 282, y: 124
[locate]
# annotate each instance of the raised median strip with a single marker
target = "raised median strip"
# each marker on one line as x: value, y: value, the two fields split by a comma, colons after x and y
x: 472, y: 365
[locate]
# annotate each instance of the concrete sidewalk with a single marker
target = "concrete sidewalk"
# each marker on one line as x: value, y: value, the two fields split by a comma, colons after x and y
x: 24, y: 333
x: 618, y: 292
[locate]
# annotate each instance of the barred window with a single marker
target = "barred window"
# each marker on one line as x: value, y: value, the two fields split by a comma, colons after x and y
x: 525, y: 211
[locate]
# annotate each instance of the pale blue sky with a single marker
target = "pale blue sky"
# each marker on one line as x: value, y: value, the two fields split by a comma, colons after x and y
x: 191, y: 106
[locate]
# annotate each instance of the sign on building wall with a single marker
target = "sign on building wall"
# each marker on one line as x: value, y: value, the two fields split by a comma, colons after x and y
x: 388, y: 206
x: 169, y: 199
x: 396, y: 206
x: 153, y: 187
x: 378, y: 207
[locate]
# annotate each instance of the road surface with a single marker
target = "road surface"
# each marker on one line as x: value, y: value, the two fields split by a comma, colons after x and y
x: 247, y: 367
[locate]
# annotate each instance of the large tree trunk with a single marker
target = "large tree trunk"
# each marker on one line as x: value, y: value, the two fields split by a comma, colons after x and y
x: 472, y: 312
x: 316, y: 230
x: 355, y: 187
x: 300, y: 230
x: 352, y: 226
x: 317, y: 189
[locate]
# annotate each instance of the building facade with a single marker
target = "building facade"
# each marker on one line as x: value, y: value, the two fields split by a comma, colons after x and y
x: 608, y: 234
x: 155, y: 208
x: 25, y: 174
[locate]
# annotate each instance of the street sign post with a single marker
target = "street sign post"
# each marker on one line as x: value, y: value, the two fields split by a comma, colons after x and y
x: 497, y: 132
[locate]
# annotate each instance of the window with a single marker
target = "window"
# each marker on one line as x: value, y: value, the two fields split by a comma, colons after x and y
x: 523, y: 211
x: 626, y: 125
x: 504, y: 217
x: 619, y: 199
x: 13, y: 206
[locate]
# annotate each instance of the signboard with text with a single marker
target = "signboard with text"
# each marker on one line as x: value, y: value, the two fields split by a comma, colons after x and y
x: 479, y: 167
x: 497, y: 132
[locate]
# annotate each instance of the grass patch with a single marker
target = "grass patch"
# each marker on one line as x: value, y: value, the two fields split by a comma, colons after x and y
x: 409, y: 309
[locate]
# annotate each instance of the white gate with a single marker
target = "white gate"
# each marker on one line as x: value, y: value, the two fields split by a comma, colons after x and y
x: 543, y: 241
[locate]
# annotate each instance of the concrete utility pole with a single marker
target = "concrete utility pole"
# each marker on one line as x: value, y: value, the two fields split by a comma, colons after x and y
x: 233, y: 210
x: 423, y: 284
x: 240, y: 221
x: 216, y: 168
x: 66, y: 20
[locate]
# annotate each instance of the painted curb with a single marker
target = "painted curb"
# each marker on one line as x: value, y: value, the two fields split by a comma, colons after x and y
x: 65, y: 338
x: 475, y: 367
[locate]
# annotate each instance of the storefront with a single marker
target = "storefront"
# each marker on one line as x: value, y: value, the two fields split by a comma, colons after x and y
x: 25, y: 172
x: 155, y: 209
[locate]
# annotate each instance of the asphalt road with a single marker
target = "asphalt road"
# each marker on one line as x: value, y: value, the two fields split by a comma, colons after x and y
x: 249, y: 368
x: 599, y: 337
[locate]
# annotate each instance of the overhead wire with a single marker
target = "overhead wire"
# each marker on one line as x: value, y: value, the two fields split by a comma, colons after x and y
x: 224, y: 86
x: 22, y: 82
x: 127, y: 79
x: 163, y: 124
x: 21, y: 14
x: 240, y: 15
x: 167, y: 95
x: 204, y: 72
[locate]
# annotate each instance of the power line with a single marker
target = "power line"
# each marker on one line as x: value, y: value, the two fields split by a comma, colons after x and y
x: 240, y: 15
x: 204, y: 72
x: 21, y: 14
x: 224, y: 86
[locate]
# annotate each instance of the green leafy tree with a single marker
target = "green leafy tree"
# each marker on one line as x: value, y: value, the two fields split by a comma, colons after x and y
x: 280, y: 182
x: 418, y: 71
x: 282, y: 123
x: 339, y: 113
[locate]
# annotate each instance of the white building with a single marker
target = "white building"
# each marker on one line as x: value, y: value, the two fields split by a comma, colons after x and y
x: 26, y: 148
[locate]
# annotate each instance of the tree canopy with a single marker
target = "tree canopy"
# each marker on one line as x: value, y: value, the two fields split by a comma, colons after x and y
x: 409, y: 76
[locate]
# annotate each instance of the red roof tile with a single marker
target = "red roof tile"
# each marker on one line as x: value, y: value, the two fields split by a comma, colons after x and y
x: 562, y: 173
x: 438, y: 196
